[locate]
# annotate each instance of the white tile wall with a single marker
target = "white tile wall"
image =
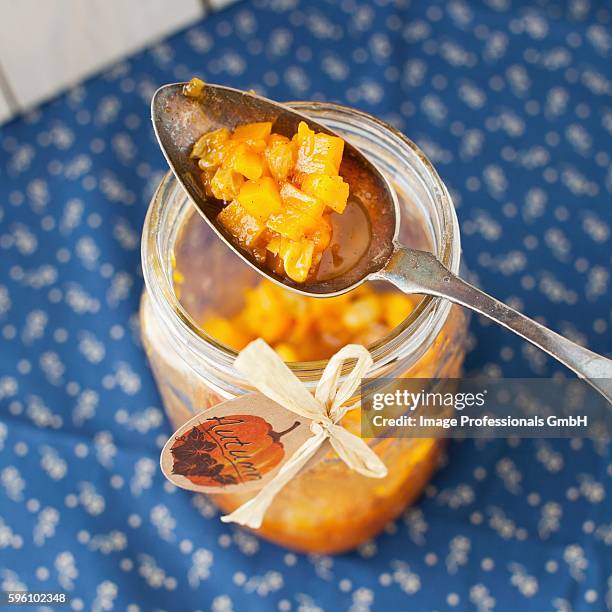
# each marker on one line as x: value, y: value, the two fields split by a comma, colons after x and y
x: 5, y: 110
x: 47, y: 45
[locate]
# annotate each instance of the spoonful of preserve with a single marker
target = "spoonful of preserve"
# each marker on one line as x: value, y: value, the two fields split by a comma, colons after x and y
x: 311, y: 212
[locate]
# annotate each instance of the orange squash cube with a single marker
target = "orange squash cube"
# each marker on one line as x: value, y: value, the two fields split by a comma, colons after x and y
x: 259, y: 146
x: 318, y: 153
x: 361, y: 313
x: 245, y: 228
x: 396, y: 307
x: 253, y: 131
x: 301, y: 328
x: 274, y: 138
x: 226, y: 332
x: 260, y: 198
x: 266, y: 315
x: 331, y: 190
x: 226, y: 184
x: 246, y: 161
x: 283, y: 245
x: 321, y: 235
x: 294, y: 198
x: 255, y: 135
x: 194, y: 88
x: 281, y: 191
x: 304, y: 137
x: 329, y: 308
x: 280, y: 156
x: 206, y: 177
x: 274, y: 245
x: 297, y: 259
x: 217, y: 155
x: 286, y: 352
x: 209, y: 141
x: 291, y: 223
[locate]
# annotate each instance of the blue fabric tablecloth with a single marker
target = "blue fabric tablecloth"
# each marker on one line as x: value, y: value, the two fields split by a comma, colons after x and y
x: 512, y: 102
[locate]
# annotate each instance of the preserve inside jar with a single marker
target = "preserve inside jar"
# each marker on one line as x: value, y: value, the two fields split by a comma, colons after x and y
x: 192, y: 277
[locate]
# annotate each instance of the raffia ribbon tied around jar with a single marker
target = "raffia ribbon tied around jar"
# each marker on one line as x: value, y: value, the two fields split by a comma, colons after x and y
x: 267, y: 372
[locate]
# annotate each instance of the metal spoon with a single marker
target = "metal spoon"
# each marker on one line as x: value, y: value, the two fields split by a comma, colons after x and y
x: 179, y: 121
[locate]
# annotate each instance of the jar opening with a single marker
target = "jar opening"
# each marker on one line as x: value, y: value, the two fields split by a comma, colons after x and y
x: 406, y: 167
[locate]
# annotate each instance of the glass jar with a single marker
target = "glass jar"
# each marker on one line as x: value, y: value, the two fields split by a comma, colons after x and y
x: 328, y: 508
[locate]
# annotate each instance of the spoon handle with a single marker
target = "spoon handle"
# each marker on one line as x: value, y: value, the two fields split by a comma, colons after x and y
x: 420, y: 272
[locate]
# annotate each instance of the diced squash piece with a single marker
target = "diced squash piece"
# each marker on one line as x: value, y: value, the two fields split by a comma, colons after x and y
x: 274, y: 245
x: 224, y: 331
x: 333, y: 333
x: 318, y: 153
x: 274, y: 138
x: 284, y: 245
x: 253, y: 131
x: 286, y: 352
x: 209, y: 141
x: 267, y: 316
x: 396, y: 307
x: 330, y: 307
x: 316, y: 260
x: 245, y: 228
x: 328, y: 152
x: 260, y: 198
x: 294, y: 198
x: 217, y: 155
x: 297, y: 259
x: 300, y: 328
x: 331, y: 190
x: 321, y: 235
x: 255, y: 135
x: 280, y: 156
x: 206, y: 177
x: 226, y: 184
x: 292, y: 224
x: 194, y: 88
x: 259, y: 146
x: 361, y: 313
x: 303, y: 329
x: 246, y: 161
x: 281, y: 191
x: 304, y: 137
x: 211, y: 161
x: 259, y: 252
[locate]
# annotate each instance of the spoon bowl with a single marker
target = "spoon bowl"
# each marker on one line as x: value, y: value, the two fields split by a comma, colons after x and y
x: 179, y: 120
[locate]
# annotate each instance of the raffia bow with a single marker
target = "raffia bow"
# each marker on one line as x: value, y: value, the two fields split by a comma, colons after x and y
x: 267, y: 372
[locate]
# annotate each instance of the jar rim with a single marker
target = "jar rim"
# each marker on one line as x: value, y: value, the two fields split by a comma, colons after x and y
x: 430, y: 313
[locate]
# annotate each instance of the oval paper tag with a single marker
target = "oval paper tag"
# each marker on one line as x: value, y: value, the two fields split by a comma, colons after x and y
x: 238, y: 445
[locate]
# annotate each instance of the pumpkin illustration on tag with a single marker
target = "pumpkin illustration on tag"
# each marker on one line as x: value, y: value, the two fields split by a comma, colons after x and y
x: 228, y: 450
x: 235, y: 446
